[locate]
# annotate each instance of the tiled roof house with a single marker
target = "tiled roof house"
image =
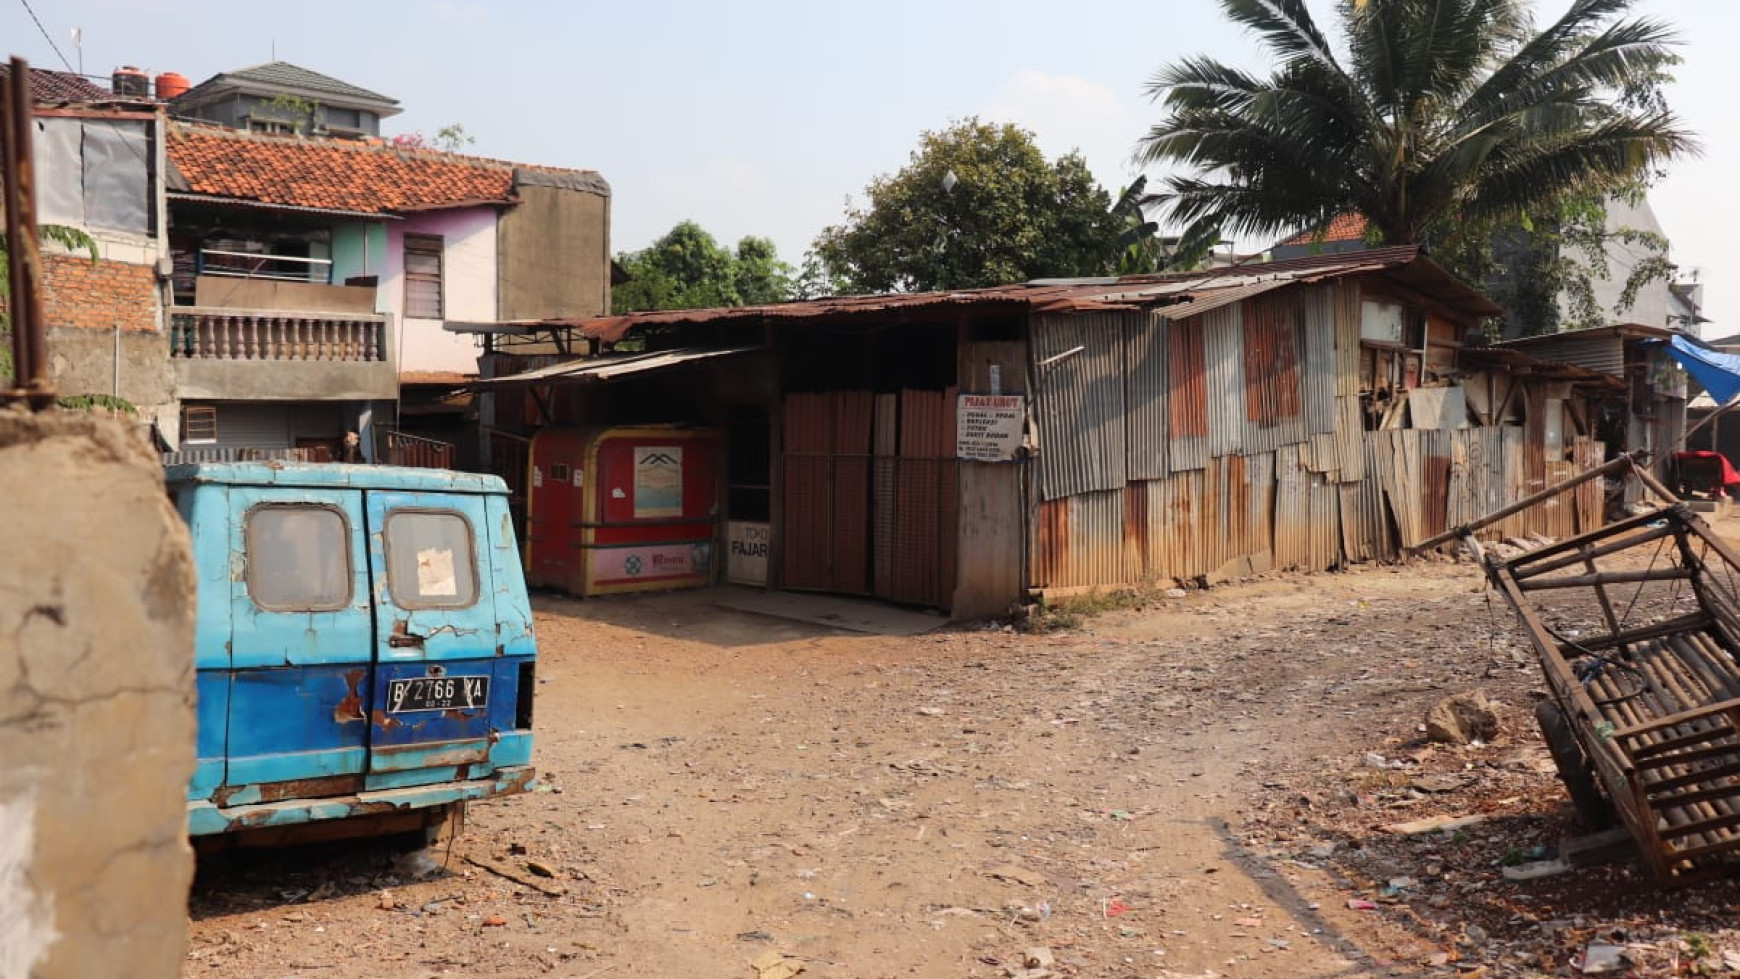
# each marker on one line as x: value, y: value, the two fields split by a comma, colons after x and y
x: 1344, y: 233
x: 376, y: 247
x: 60, y: 86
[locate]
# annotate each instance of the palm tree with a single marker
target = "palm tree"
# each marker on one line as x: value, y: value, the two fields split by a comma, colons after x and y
x: 1435, y: 114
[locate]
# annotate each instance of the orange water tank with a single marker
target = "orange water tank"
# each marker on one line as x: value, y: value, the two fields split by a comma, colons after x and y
x: 170, y: 84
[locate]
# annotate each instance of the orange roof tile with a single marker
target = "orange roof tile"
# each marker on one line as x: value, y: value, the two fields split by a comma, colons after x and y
x: 332, y: 174
x: 1345, y: 227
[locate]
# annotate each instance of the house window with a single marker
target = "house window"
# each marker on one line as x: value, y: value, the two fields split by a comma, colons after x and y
x: 423, y: 277
x: 199, y: 424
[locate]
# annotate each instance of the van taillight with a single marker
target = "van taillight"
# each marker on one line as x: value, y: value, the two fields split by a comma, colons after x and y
x: 527, y: 692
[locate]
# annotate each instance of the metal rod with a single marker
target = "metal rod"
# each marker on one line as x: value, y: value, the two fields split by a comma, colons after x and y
x: 1605, y: 578
x: 1617, y: 464
x: 29, y: 333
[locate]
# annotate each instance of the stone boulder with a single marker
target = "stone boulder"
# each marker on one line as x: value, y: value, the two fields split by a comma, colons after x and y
x: 1462, y: 719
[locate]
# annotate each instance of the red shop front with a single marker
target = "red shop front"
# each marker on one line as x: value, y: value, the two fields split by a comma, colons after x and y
x: 622, y: 509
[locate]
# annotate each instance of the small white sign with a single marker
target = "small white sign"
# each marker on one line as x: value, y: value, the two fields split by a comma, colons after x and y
x: 988, y: 427
x: 746, y: 547
x: 435, y: 574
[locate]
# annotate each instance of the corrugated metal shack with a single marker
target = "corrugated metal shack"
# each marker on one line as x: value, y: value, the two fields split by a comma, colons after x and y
x: 1301, y: 414
x: 1647, y: 410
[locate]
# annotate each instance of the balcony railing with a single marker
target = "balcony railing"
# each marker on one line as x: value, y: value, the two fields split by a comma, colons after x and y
x: 196, y: 333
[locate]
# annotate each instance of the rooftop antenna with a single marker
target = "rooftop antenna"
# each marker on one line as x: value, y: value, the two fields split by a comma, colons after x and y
x: 78, y: 39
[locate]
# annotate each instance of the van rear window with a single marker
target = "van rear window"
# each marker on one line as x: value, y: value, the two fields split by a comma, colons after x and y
x: 298, y: 557
x: 430, y: 559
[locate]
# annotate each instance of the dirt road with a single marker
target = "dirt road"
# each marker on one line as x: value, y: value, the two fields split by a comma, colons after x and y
x: 1181, y: 790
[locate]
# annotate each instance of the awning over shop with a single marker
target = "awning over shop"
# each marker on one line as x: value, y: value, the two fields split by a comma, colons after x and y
x: 594, y: 369
x: 1719, y: 373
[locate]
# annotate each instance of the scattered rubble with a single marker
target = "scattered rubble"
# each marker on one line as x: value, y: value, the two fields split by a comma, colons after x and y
x: 1183, y: 792
x: 1462, y: 719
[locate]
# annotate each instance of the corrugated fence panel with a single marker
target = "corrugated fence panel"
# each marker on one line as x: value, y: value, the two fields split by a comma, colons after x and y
x: 1434, y: 481
x: 1272, y: 334
x: 1598, y: 353
x: 1292, y: 510
x: 1081, y: 540
x: 1400, y: 458
x: 1251, y: 502
x: 1174, y: 535
x: 1146, y: 395
x: 1080, y: 402
x: 1345, y: 301
x: 1325, y: 523
x: 1187, y: 403
x: 1223, y: 347
x: 1319, y: 359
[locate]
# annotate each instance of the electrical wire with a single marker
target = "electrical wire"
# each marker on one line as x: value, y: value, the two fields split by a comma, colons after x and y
x: 47, y: 37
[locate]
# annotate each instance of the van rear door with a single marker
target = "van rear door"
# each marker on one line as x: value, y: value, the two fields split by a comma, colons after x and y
x: 437, y: 698
x: 300, y: 644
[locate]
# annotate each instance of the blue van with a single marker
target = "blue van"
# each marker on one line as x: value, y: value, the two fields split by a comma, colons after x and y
x: 363, y: 643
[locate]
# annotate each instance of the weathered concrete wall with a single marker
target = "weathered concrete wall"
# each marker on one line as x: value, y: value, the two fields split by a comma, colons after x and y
x: 229, y: 292
x: 287, y: 380
x: 555, y: 254
x: 85, y: 362
x: 96, y: 704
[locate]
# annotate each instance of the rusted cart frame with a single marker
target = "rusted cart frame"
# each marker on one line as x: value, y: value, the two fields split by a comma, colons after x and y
x: 1653, y: 708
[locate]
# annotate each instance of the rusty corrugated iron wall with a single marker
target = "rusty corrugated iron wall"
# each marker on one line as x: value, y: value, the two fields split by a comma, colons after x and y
x: 1243, y: 448
x: 1146, y: 396
x: 1079, y: 369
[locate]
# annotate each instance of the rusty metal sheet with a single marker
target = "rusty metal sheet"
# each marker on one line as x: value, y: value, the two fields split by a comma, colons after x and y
x: 1345, y: 304
x: 1078, y: 367
x: 1319, y: 359
x: 1292, y: 510
x: 1187, y: 399
x: 1146, y: 395
x: 1200, y: 290
x: 1225, y: 377
x: 1272, y: 338
x: 1209, y: 300
x: 1081, y: 540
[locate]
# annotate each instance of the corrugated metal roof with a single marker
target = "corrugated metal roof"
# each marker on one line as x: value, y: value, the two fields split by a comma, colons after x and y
x: 608, y: 368
x: 1216, y: 298
x: 1406, y: 263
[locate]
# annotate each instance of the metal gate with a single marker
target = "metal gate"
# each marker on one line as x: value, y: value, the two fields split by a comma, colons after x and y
x: 870, y: 495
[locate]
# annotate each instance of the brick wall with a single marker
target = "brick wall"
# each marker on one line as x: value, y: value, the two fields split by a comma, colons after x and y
x: 77, y: 292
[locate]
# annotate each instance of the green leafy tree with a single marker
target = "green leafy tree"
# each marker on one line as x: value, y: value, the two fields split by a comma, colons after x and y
x: 760, y: 276
x: 687, y: 268
x: 977, y: 205
x: 1436, y: 121
x: 1140, y: 248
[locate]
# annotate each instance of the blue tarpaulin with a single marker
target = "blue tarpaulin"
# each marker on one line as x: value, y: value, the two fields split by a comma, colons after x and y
x: 1719, y: 373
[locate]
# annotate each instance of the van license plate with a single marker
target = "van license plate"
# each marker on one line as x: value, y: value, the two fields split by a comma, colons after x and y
x: 437, y: 693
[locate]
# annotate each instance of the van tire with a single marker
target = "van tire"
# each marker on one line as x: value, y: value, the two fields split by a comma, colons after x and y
x: 1575, y: 771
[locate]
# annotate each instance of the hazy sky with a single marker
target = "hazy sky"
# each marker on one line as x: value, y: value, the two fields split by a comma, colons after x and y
x: 761, y: 117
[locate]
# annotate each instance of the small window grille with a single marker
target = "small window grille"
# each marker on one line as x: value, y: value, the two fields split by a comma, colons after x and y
x: 199, y: 424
